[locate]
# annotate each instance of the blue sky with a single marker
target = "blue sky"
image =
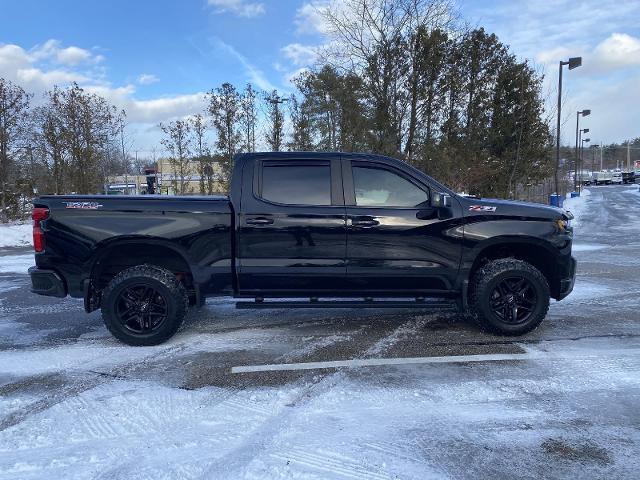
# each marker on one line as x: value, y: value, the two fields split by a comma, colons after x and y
x: 155, y: 59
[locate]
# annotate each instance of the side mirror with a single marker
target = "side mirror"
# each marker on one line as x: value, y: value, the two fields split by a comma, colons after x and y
x: 427, y: 213
x: 441, y: 200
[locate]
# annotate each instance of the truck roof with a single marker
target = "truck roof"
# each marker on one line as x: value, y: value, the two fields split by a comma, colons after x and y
x: 310, y: 155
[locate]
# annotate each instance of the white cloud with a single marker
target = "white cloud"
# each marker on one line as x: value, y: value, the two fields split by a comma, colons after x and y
x: 53, y: 51
x: 619, y: 50
x: 147, y: 79
x: 153, y: 110
x: 555, y: 54
x: 300, y: 55
x: 20, y: 66
x: 37, y: 70
x: 241, y: 8
x: 72, y: 55
x: 309, y: 18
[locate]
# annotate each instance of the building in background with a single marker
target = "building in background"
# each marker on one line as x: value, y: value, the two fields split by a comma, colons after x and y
x: 163, y: 179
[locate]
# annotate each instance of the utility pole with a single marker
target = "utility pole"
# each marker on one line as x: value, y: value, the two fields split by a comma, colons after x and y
x: 628, y: 155
x: 124, y: 158
x: 573, y: 62
x: 274, y: 138
x: 600, y: 156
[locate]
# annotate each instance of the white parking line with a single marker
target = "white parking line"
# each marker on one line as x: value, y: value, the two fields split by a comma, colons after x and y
x: 492, y: 357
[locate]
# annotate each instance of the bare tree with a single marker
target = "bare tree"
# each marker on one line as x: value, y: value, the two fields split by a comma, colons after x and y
x: 177, y: 141
x: 249, y: 118
x: 88, y: 123
x: 203, y: 156
x: 14, y: 105
x: 380, y: 40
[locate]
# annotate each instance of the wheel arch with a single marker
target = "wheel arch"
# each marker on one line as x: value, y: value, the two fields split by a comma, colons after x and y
x: 535, y: 251
x: 118, y: 254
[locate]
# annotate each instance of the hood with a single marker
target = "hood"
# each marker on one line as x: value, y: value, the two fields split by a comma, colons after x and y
x: 511, y: 208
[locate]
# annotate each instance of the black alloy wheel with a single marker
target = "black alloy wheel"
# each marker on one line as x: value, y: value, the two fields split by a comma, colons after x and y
x: 509, y: 296
x: 141, y: 309
x: 144, y: 305
x: 513, y: 300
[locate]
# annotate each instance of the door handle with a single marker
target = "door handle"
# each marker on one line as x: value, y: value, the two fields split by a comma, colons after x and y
x: 259, y: 221
x: 365, y: 223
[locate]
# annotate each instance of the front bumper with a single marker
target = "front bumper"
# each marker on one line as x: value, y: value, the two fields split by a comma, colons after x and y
x: 566, y: 283
x: 47, y: 282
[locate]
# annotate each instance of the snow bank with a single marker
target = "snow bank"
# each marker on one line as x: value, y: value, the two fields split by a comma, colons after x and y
x: 16, y: 235
x: 16, y: 263
x: 577, y: 205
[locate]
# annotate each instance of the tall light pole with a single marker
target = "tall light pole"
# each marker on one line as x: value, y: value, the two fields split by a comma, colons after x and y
x: 573, y: 62
x: 579, y: 160
x: 584, y: 113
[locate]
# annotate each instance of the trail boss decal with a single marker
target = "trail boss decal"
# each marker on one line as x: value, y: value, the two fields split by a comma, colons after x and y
x: 482, y: 208
x: 83, y: 205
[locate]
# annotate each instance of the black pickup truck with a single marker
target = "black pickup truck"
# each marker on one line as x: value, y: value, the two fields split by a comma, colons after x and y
x: 312, y: 230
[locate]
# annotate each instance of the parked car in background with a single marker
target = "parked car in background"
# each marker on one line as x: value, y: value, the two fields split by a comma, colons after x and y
x: 602, y: 177
x: 585, y: 177
x: 616, y: 178
x: 628, y: 177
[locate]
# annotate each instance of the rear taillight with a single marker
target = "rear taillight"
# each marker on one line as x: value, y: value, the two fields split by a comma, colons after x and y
x: 38, y: 214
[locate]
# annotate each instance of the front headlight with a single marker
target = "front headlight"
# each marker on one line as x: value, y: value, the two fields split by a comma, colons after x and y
x: 563, y: 225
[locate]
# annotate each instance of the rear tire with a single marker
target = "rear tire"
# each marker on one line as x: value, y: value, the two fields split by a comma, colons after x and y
x: 509, y: 296
x: 144, y: 305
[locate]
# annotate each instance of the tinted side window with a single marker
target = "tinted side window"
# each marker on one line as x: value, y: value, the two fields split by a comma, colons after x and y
x: 297, y: 184
x: 376, y: 187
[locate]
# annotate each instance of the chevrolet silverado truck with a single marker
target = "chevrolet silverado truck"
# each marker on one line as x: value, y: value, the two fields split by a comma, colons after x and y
x: 304, y: 230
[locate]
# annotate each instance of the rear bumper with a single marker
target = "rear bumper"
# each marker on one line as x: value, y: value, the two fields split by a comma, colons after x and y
x: 566, y: 283
x: 47, y: 282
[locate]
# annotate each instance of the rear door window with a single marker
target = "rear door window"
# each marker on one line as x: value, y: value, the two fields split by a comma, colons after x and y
x: 296, y: 183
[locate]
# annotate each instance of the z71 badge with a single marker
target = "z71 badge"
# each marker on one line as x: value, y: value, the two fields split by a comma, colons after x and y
x: 83, y: 205
x: 481, y: 208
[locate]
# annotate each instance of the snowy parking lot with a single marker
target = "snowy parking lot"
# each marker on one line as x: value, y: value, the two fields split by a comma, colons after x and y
x: 353, y: 394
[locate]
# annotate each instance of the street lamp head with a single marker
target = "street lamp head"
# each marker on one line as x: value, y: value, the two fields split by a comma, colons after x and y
x: 575, y: 62
x: 586, y: 140
x: 585, y: 112
x: 585, y: 130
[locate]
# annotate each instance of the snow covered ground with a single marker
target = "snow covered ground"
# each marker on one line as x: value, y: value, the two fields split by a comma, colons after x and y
x: 577, y: 205
x: 560, y: 402
x: 16, y: 263
x: 16, y: 234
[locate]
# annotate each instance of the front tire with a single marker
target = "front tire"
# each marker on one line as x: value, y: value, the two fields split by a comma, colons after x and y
x: 144, y: 305
x: 509, y: 296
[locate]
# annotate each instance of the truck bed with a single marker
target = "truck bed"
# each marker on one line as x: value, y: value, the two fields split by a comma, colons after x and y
x: 82, y: 229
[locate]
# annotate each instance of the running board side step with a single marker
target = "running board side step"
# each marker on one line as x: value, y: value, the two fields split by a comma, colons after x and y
x: 424, y: 305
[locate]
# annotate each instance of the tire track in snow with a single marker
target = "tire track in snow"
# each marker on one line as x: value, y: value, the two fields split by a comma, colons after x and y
x: 89, y: 380
x: 265, y: 438
x: 330, y: 463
